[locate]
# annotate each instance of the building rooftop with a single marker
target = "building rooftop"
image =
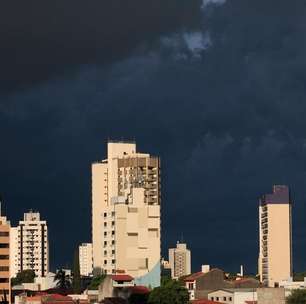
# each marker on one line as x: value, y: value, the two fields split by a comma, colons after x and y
x: 280, y: 195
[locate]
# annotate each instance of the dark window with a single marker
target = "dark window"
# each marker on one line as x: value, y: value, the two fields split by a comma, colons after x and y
x: 4, y: 280
x: 4, y: 233
x: 4, y: 268
x: 3, y: 245
x: 4, y: 257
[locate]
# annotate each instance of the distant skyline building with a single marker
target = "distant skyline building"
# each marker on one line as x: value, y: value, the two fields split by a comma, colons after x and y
x: 126, y: 213
x: 180, y: 260
x: 5, y: 283
x: 86, y: 259
x: 30, y: 250
x: 275, y: 237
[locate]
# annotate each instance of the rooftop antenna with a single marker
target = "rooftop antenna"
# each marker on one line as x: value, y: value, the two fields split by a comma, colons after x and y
x: 182, y: 238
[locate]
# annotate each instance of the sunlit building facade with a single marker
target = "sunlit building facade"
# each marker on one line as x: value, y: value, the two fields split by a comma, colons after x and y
x: 126, y: 213
x: 275, y: 237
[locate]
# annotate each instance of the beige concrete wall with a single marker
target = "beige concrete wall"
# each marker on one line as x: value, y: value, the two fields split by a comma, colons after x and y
x: 271, y: 296
x: 277, y: 242
x: 99, y: 203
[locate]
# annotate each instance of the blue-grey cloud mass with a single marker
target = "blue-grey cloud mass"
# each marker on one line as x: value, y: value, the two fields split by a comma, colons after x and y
x: 216, y: 88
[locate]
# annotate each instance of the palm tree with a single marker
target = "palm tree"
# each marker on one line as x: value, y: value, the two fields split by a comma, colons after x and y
x: 63, y: 280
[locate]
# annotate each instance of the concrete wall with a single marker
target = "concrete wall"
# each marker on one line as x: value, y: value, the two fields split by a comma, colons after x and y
x: 271, y: 296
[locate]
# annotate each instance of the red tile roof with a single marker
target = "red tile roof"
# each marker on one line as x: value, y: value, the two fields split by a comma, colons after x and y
x: 250, y: 302
x: 122, y: 277
x: 139, y: 290
x: 194, y: 276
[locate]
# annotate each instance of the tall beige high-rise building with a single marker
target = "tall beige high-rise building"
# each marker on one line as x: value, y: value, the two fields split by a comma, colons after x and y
x: 126, y: 213
x: 5, y: 282
x: 180, y: 260
x: 85, y: 259
x: 275, y: 237
x: 30, y: 249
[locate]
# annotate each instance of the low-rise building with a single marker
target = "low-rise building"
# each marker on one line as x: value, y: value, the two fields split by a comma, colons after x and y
x: 200, y: 284
x: 233, y: 296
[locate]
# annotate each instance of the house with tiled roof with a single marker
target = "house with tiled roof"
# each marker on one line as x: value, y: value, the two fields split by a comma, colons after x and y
x: 199, y: 284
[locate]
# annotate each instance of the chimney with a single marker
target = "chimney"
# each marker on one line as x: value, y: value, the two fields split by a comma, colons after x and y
x: 205, y: 268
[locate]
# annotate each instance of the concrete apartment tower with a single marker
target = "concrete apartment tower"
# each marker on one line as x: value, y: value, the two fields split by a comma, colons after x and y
x: 5, y: 283
x: 126, y: 213
x: 275, y: 237
x: 180, y: 260
x: 30, y: 250
x: 86, y: 259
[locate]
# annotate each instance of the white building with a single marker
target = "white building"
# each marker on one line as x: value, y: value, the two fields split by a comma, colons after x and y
x: 233, y: 296
x: 126, y: 213
x: 180, y: 261
x: 86, y: 259
x: 30, y: 249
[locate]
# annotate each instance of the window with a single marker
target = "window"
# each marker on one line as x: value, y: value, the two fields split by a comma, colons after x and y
x: 191, y: 287
x: 224, y: 298
x: 217, y: 298
x: 113, y: 251
x: 4, y: 257
x: 113, y: 232
x: 4, y: 268
x: 4, y: 280
x: 105, y: 233
x: 105, y: 214
x: 105, y: 262
x: 212, y: 298
x: 230, y: 299
x: 105, y: 252
x: 113, y: 242
x: 105, y: 224
x: 113, y: 261
x: 4, y: 233
x: 3, y: 245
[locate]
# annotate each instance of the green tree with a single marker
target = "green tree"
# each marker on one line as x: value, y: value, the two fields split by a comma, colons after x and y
x: 96, y: 281
x: 76, y: 279
x: 170, y: 291
x: 63, y: 280
x: 25, y: 276
x: 297, y: 296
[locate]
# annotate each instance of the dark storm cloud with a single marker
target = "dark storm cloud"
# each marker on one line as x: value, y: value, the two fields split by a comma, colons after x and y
x: 39, y: 40
x: 222, y: 102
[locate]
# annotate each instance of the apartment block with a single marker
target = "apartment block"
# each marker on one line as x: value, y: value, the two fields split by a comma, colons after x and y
x: 30, y: 249
x: 126, y: 213
x: 5, y: 283
x: 275, y: 237
x: 180, y: 260
x: 86, y: 259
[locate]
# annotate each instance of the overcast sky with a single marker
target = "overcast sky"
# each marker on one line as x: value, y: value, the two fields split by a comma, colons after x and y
x: 215, y: 88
